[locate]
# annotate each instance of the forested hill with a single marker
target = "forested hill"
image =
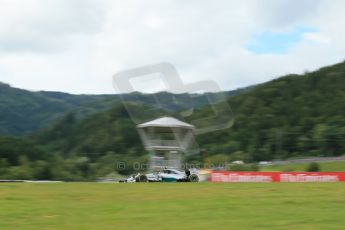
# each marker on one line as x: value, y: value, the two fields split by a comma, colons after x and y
x: 108, y: 131
x: 295, y: 115
x: 23, y: 112
x: 291, y: 116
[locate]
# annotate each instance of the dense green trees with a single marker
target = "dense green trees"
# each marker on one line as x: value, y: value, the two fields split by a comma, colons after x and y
x: 290, y: 116
x: 296, y: 115
x: 20, y: 159
x: 23, y: 112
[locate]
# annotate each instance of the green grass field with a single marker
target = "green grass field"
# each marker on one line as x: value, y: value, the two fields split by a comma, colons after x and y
x: 172, y: 206
x: 336, y: 166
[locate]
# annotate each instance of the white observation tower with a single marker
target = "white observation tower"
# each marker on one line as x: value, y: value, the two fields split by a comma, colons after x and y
x: 167, y: 139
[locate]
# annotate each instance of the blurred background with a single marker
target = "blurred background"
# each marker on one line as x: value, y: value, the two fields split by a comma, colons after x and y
x: 279, y: 65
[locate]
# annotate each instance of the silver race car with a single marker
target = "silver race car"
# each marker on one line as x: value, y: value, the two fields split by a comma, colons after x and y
x: 166, y: 175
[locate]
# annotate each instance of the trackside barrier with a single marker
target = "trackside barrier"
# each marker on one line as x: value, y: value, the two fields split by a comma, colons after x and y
x: 224, y: 176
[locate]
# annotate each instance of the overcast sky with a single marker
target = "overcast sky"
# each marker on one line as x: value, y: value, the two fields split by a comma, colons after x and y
x: 77, y: 45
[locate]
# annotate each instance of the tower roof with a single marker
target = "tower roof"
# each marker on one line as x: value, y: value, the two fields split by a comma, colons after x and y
x: 166, y: 122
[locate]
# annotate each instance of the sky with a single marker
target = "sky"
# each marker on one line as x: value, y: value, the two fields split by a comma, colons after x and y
x: 76, y: 46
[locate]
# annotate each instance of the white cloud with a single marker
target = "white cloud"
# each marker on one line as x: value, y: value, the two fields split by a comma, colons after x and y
x: 316, y: 37
x: 280, y: 15
x: 46, y: 26
x: 77, y: 45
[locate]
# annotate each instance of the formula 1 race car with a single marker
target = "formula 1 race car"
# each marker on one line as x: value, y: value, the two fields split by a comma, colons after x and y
x: 166, y: 175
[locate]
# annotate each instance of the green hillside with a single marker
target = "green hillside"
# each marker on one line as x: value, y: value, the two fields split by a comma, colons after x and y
x: 72, y: 149
x: 20, y: 159
x: 109, y: 131
x: 23, y: 112
x: 296, y: 115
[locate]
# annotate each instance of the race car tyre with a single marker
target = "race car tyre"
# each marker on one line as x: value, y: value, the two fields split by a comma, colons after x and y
x: 193, y: 178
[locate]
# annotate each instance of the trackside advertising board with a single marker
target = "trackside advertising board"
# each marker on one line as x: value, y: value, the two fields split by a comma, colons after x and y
x: 224, y: 176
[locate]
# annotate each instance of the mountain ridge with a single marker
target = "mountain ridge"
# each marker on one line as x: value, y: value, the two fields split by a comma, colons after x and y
x: 23, y: 112
x: 292, y: 116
